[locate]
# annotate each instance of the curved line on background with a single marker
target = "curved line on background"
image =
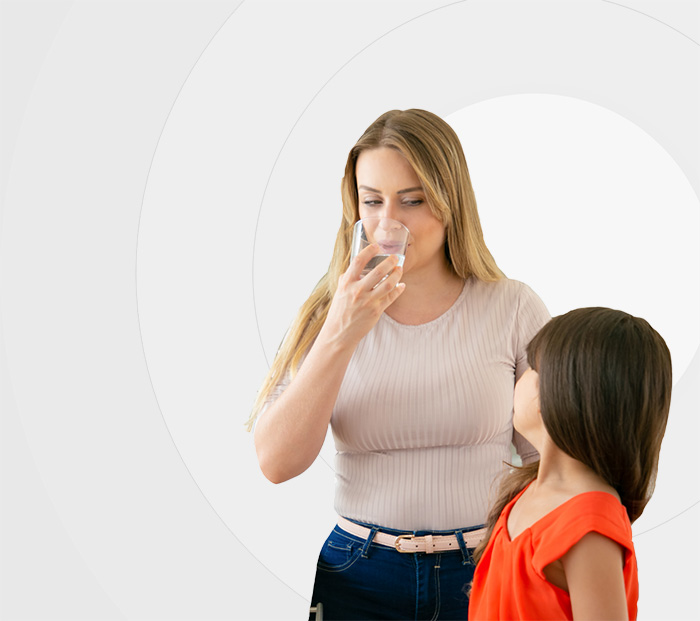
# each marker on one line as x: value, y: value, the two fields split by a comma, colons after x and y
x: 284, y: 143
x: 648, y: 530
x: 656, y: 19
x: 138, y: 317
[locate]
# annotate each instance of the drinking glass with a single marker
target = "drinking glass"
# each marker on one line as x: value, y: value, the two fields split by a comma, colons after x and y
x: 390, y: 235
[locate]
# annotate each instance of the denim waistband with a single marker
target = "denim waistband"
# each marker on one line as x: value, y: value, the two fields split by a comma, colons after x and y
x: 417, y: 533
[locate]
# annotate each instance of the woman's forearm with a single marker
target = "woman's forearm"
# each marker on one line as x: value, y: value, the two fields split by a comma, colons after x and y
x: 290, y: 433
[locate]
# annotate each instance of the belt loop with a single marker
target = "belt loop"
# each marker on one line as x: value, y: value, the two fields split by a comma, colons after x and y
x: 365, y: 547
x: 467, y: 558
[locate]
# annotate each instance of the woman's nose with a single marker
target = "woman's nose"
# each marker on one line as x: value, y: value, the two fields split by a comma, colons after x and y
x: 389, y: 224
x: 390, y: 212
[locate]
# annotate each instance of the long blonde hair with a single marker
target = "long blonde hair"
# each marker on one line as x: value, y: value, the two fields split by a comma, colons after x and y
x: 434, y: 151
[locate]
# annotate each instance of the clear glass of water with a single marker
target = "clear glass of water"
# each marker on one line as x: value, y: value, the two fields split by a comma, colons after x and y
x: 390, y: 235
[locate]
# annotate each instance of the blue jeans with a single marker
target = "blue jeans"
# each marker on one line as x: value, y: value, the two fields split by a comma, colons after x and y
x: 358, y: 579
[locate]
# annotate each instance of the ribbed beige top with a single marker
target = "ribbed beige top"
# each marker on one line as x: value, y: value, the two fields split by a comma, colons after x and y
x: 423, y: 419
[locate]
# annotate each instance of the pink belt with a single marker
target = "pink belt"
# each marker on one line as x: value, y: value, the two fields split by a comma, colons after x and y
x: 430, y: 544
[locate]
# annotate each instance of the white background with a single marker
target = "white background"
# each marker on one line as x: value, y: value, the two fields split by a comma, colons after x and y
x: 161, y: 162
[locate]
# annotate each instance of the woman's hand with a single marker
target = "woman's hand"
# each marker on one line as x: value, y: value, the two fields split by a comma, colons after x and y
x: 359, y: 301
x: 290, y: 434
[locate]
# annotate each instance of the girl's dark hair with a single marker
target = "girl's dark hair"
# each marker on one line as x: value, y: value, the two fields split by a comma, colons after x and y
x: 605, y: 394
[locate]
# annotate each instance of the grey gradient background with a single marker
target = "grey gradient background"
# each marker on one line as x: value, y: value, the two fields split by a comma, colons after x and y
x: 102, y: 516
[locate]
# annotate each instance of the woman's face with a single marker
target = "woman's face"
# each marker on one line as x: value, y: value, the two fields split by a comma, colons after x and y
x: 388, y: 187
x: 527, y: 419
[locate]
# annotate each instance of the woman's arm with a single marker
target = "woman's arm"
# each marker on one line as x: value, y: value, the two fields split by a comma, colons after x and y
x: 532, y: 314
x: 290, y: 433
x: 594, y: 578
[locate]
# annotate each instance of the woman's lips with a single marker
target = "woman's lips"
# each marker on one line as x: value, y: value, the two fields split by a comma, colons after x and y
x: 391, y: 247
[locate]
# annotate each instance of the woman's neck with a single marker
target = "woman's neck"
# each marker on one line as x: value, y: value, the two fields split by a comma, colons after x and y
x: 428, y: 294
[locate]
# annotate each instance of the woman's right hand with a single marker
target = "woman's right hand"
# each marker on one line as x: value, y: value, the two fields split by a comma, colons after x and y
x: 290, y: 433
x: 359, y: 301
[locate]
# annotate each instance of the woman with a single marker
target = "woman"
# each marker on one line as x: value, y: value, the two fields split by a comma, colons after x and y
x: 414, y: 368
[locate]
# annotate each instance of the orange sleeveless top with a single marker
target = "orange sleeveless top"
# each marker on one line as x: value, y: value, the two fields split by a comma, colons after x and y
x: 509, y: 581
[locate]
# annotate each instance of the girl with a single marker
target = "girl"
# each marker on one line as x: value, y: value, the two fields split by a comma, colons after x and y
x: 415, y: 374
x: 594, y: 405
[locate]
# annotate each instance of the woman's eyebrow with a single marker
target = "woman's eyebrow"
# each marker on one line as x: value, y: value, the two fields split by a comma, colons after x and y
x: 418, y: 188
x: 368, y: 189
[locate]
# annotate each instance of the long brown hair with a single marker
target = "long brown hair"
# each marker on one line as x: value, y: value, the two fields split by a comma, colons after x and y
x: 605, y: 394
x: 434, y: 151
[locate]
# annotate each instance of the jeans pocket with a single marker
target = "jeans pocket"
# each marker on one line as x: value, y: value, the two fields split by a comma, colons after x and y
x: 339, y: 552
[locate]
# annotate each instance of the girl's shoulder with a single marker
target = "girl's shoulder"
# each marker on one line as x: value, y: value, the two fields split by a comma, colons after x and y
x: 591, y: 511
x: 540, y: 512
x: 586, y: 506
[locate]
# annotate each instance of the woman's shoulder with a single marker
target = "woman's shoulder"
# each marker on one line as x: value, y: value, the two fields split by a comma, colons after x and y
x: 504, y: 285
x: 507, y: 290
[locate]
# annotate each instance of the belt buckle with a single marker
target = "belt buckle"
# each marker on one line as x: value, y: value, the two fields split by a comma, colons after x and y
x: 398, y: 539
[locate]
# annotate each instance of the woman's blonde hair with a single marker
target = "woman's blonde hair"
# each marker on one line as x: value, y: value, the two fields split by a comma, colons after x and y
x: 434, y: 151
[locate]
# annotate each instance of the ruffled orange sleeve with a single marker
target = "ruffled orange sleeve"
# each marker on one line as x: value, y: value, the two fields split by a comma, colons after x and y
x: 591, y: 512
x: 509, y: 581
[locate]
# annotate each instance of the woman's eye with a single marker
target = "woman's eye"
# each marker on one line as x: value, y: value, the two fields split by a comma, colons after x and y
x: 371, y: 203
x: 414, y: 202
